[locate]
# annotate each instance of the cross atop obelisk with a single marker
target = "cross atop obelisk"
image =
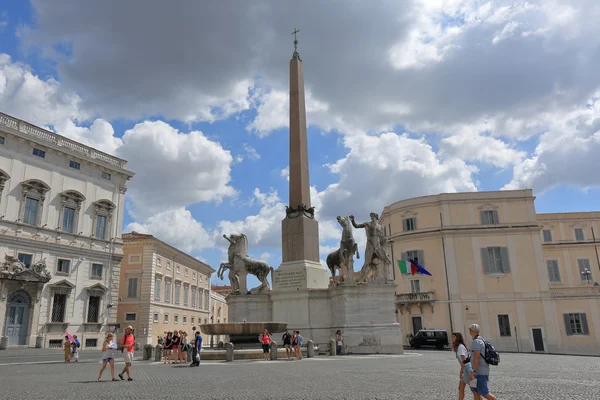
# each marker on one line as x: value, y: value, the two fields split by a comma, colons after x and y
x: 296, y: 54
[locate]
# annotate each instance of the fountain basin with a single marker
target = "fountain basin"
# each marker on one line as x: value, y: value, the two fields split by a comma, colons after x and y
x: 243, y: 328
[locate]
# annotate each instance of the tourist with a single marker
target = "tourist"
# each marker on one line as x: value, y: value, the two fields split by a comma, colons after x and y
x: 128, y: 347
x: 67, y: 348
x: 339, y: 344
x: 287, y: 344
x: 481, y: 369
x: 466, y: 372
x: 175, y: 341
x: 108, y: 356
x: 168, y: 344
x: 196, y: 352
x: 265, y: 339
x: 76, y: 345
x: 184, y: 347
x: 298, y: 345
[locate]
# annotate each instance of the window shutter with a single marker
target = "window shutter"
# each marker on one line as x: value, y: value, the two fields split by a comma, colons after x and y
x: 485, y: 260
x: 404, y: 225
x: 584, y: 324
x: 414, y: 223
x: 568, y: 324
x: 421, y: 257
x: 482, y: 217
x: 505, y: 260
x: 403, y: 256
x: 495, y: 217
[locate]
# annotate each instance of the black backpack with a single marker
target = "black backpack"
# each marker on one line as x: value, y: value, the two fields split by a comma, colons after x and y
x: 491, y: 356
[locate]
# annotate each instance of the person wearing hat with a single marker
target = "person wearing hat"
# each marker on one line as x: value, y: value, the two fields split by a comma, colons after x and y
x: 127, y: 346
x: 481, y: 369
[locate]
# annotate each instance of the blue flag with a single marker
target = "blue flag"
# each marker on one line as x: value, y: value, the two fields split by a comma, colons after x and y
x: 420, y: 269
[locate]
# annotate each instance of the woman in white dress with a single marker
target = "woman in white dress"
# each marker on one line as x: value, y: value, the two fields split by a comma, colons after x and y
x: 108, y: 356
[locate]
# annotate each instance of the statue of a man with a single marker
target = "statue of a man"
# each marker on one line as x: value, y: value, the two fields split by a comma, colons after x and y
x: 376, y: 257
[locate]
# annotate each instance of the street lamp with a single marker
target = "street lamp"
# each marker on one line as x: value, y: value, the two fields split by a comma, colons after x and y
x: 587, y: 273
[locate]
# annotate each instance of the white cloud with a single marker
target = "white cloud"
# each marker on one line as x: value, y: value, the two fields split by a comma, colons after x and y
x: 202, y: 168
x: 508, y: 31
x: 251, y: 151
x: 100, y: 135
x: 266, y: 256
x: 3, y: 20
x: 472, y: 146
x: 176, y: 227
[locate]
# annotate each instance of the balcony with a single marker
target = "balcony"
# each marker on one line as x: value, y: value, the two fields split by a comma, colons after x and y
x: 406, y: 300
x: 581, y: 291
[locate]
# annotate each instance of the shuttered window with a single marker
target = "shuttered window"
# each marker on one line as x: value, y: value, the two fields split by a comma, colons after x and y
x: 547, y: 235
x: 576, y: 324
x: 417, y: 256
x: 489, y: 217
x: 584, y: 269
x: 495, y: 260
x: 553, y: 271
x: 579, y: 235
x: 409, y: 224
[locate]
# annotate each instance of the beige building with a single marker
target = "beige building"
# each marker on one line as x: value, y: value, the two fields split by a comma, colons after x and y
x: 162, y: 289
x: 218, y: 314
x: 528, y: 279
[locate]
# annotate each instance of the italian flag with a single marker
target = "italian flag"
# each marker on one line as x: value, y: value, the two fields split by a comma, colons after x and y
x: 406, y: 267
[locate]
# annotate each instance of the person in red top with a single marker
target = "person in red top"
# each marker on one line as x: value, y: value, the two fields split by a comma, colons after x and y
x: 127, y: 346
x: 265, y: 339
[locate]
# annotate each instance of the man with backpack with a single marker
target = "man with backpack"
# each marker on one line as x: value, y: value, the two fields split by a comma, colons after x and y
x: 483, y: 355
x: 127, y: 347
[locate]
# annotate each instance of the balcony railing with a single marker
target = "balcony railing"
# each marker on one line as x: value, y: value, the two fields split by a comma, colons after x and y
x: 413, y: 298
x: 59, y: 141
x: 582, y: 291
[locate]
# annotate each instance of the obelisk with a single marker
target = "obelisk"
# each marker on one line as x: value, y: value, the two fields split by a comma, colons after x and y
x: 299, y: 230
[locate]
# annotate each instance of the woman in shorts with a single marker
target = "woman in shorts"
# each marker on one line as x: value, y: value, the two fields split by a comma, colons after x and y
x: 108, y: 356
x: 184, y: 347
x: 168, y: 344
x: 265, y: 340
x: 462, y: 355
x: 176, y: 341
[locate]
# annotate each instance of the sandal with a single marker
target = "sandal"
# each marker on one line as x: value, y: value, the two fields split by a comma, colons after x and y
x: 115, y: 380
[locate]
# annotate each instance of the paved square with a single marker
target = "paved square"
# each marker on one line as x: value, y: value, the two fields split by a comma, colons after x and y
x: 416, y: 375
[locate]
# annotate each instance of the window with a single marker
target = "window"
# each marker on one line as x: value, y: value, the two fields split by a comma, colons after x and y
x: 59, y: 305
x: 415, y: 286
x: 579, y: 235
x: 103, y: 211
x: 157, y: 283
x: 134, y: 259
x: 177, y: 269
x: 193, y: 298
x: 206, y: 320
x: 417, y: 256
x: 186, y: 272
x: 206, y: 299
x: 67, y: 221
x: 31, y: 209
x: 106, y: 175
x: 193, y: 276
x: 200, y: 294
x: 1, y: 139
x: 166, y: 319
x: 489, y: 217
x: 504, y: 325
x: 184, y: 321
x: 91, y: 343
x: 585, y: 272
x: 168, y: 265
x: 155, y: 319
x: 177, y: 292
x: 132, y: 287
x: 186, y: 292
x: 93, y: 309
x: 100, y: 226
x: 192, y: 321
x: 167, y: 291
x: 74, y: 164
x: 576, y: 324
x: 409, y: 224
x: 553, y: 270
x: 97, y: 270
x: 26, y: 259
x: 62, y: 266
x: 130, y: 316
x: 176, y: 319
x: 547, y: 235
x: 55, y: 343
x: 158, y: 261
x: 39, y: 153
x: 495, y: 260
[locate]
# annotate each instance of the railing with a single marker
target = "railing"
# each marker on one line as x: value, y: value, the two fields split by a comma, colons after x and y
x: 582, y: 291
x: 423, y: 297
x: 58, y: 140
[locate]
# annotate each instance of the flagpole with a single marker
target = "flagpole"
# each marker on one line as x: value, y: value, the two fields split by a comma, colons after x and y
x: 446, y: 269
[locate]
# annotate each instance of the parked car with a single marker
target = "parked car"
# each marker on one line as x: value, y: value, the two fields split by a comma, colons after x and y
x: 430, y: 337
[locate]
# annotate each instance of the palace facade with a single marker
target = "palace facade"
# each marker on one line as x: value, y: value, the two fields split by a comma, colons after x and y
x: 528, y: 279
x: 61, y: 212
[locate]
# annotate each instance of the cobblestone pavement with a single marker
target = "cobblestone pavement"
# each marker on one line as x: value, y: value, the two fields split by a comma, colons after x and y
x: 424, y: 375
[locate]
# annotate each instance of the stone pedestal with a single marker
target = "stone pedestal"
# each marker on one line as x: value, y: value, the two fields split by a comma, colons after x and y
x: 300, y: 275
x: 366, y: 314
x: 249, y: 308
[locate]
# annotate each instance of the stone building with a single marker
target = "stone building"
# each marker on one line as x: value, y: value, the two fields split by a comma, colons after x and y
x: 61, y: 212
x: 162, y: 289
x: 528, y: 279
x: 218, y: 314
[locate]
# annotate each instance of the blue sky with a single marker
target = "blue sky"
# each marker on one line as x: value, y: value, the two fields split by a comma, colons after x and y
x: 417, y: 99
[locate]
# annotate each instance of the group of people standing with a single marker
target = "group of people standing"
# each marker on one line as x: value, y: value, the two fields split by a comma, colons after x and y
x: 176, y: 346
x: 292, y: 342
x: 474, y: 370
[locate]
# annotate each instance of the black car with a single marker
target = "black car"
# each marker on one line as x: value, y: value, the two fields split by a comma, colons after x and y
x: 430, y: 337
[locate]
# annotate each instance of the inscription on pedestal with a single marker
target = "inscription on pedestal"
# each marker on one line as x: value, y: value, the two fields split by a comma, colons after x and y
x: 286, y: 280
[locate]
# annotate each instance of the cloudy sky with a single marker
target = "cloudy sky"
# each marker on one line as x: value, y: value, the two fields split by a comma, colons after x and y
x: 404, y: 98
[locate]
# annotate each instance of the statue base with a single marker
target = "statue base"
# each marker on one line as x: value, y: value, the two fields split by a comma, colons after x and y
x: 249, y: 308
x: 300, y: 275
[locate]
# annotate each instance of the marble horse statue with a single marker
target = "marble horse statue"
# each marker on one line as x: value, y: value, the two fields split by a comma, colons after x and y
x: 343, y: 257
x: 240, y: 265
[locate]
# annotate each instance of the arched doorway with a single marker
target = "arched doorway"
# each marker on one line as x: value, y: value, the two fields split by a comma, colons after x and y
x: 17, y: 318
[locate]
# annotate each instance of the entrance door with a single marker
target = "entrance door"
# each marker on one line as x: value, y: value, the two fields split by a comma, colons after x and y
x: 17, y: 318
x: 538, y: 340
x: 417, y: 324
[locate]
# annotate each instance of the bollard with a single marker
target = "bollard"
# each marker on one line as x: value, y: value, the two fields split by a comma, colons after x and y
x: 332, y: 347
x: 158, y: 353
x: 310, y: 349
x: 3, y: 342
x: 39, y: 342
x: 273, y: 350
x: 147, y: 352
x: 190, y: 350
x: 229, y: 349
x: 137, y: 346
